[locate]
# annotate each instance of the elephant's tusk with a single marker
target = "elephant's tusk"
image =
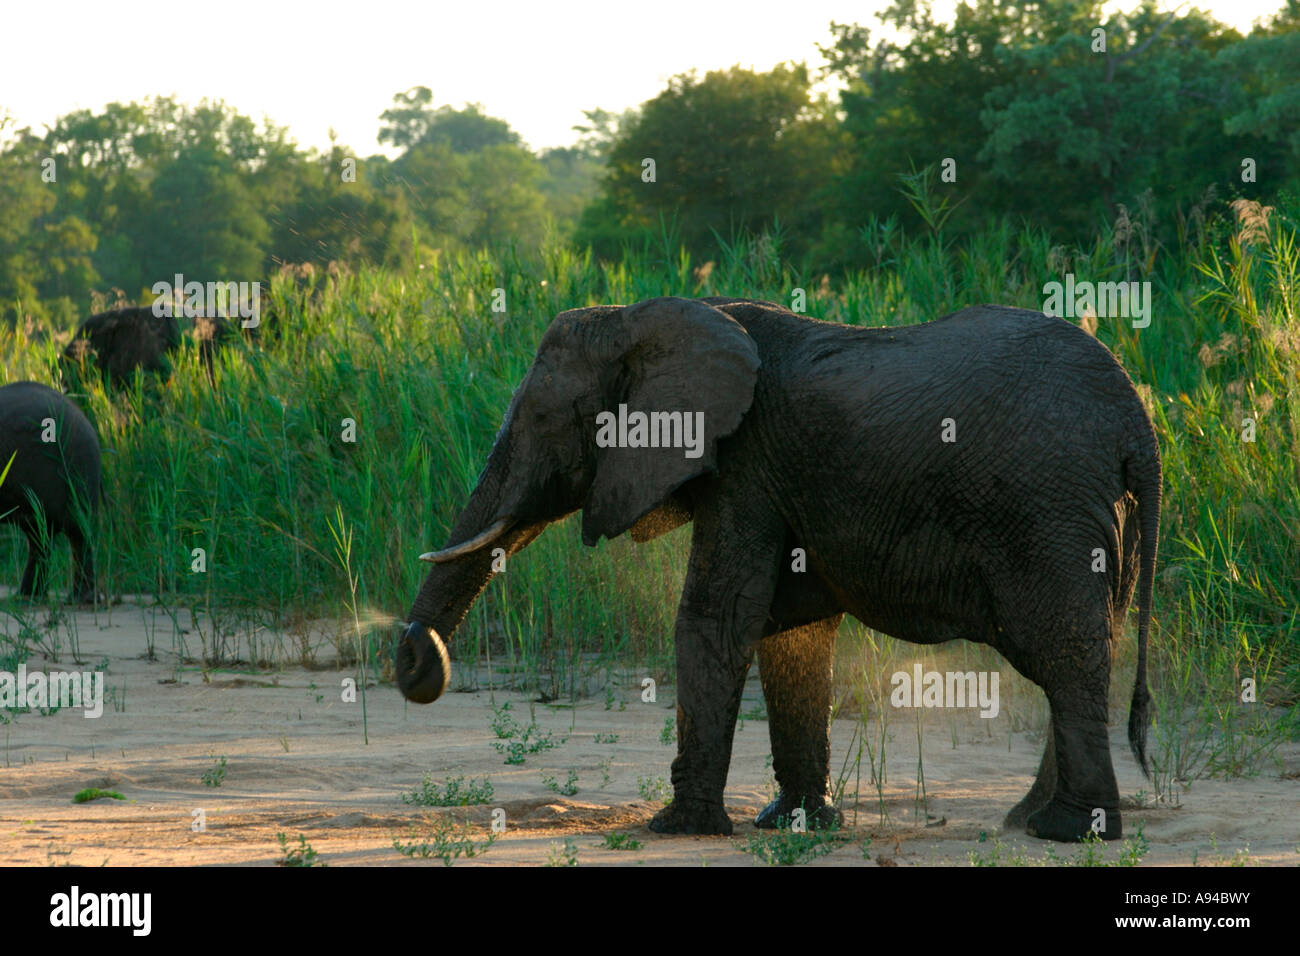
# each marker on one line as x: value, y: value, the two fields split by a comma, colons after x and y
x: 470, y: 546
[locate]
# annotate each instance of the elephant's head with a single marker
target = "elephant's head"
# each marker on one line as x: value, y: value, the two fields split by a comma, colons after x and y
x: 120, y: 342
x: 659, y: 356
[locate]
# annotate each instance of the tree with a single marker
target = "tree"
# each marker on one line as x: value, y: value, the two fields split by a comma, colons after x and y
x: 413, y: 123
x: 734, y: 151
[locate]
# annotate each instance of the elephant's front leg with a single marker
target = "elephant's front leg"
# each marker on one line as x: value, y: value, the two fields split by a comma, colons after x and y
x: 796, y: 668
x: 729, y: 587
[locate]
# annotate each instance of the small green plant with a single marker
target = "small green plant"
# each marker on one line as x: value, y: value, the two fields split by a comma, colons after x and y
x: 605, y: 776
x: 215, y: 776
x: 757, y: 712
x: 609, y: 697
x: 300, y: 855
x: 620, y: 841
x: 997, y: 855
x: 565, y: 854
x: 1091, y: 852
x: 518, y: 742
x: 668, y: 735
x: 445, y: 840
x: 1240, y: 858
x: 94, y: 793
x: 455, y: 792
x: 566, y: 789
x: 606, y: 738
x: 1134, y: 848
x: 787, y: 848
x: 655, y: 789
x: 504, y: 725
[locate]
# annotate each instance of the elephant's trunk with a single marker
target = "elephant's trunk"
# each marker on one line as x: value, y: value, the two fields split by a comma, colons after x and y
x: 457, y: 577
x: 445, y: 598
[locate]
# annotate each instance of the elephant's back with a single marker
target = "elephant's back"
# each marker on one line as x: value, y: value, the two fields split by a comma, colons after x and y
x: 24, y: 408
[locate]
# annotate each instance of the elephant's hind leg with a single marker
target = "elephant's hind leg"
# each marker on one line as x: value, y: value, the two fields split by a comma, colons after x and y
x: 1076, y: 680
x: 796, y: 670
x: 1041, y: 792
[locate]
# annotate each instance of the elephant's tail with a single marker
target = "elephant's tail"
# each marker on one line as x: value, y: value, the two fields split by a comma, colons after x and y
x: 1144, y: 484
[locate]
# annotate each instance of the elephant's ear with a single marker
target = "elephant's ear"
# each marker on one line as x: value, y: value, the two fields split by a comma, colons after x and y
x: 670, y: 355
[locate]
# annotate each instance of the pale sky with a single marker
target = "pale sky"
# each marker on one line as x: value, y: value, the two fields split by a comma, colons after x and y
x: 313, y: 66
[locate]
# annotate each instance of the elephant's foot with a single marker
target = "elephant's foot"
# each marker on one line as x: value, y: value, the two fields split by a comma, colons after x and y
x: 692, y: 816
x: 778, y: 814
x: 1031, y: 803
x: 1057, y: 822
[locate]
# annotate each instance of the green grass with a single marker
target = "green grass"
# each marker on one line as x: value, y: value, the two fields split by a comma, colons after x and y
x: 257, y: 472
x: 94, y: 793
x: 1091, y: 852
x: 454, y: 792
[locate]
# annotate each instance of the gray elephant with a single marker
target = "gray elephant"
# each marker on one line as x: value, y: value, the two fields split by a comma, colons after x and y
x: 991, y: 476
x: 53, y: 454
x: 120, y: 342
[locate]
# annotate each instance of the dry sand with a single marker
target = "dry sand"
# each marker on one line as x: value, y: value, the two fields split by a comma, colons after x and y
x: 296, y: 763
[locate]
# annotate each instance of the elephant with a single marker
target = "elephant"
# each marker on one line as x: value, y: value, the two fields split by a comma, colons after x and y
x: 991, y: 475
x: 53, y: 455
x: 121, y: 341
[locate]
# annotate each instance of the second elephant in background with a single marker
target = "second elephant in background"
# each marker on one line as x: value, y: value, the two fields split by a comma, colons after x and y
x: 120, y: 342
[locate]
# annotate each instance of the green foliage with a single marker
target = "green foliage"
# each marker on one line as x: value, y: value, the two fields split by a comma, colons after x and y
x: 1043, y: 124
x: 620, y: 841
x: 217, y: 774
x: 518, y: 742
x: 788, y: 848
x: 735, y: 152
x: 300, y: 855
x: 455, y: 792
x: 445, y: 840
x: 655, y: 790
x: 563, y: 854
x: 668, y: 735
x: 94, y: 793
x: 1091, y: 851
x: 566, y: 789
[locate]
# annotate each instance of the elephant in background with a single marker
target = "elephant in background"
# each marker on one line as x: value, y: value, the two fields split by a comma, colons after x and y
x: 955, y: 479
x: 121, y: 341
x: 63, y: 474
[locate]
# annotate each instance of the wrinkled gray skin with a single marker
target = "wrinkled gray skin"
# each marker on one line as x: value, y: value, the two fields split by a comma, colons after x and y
x: 63, y: 474
x: 828, y: 438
